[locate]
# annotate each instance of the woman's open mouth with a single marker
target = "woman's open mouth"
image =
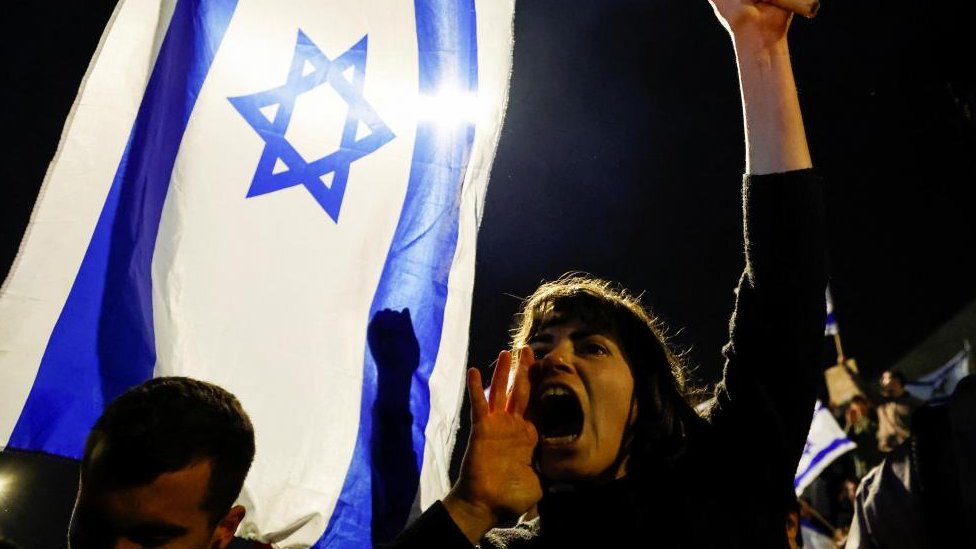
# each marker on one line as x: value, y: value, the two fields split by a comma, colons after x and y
x: 559, y: 416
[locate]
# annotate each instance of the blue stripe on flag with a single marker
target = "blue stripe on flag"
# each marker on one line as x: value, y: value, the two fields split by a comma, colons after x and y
x: 837, y: 445
x: 103, y: 341
x: 936, y: 377
x: 830, y: 327
x: 415, y: 278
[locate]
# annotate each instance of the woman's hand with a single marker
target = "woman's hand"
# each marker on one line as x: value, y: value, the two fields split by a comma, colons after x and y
x: 775, y: 138
x: 761, y: 24
x: 497, y: 480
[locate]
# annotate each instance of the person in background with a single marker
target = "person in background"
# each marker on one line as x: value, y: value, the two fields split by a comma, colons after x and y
x: 895, y: 411
x: 162, y: 467
x: 861, y: 427
x: 794, y: 535
x: 920, y: 495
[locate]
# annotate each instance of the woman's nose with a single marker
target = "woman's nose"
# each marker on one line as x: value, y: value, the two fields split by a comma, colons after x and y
x: 558, y: 358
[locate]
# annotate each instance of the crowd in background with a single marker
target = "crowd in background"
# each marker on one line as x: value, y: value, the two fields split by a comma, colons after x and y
x: 879, y: 420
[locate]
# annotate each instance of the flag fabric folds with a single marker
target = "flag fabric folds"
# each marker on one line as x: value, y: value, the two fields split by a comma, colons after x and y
x: 281, y: 198
x: 942, y: 382
x: 826, y: 441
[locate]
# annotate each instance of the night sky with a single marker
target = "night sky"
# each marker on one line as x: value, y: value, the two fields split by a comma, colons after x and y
x: 622, y: 156
x: 623, y: 150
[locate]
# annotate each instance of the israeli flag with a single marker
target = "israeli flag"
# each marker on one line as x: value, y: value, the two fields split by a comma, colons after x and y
x: 281, y: 197
x: 942, y: 382
x: 830, y: 327
x: 826, y: 441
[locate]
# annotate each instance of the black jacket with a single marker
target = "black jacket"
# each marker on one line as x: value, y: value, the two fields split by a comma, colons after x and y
x: 731, y: 487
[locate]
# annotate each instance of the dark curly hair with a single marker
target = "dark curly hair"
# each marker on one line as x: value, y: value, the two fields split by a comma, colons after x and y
x: 665, y: 417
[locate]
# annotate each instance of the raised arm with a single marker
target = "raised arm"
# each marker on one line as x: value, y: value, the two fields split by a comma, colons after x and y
x: 774, y: 356
x: 774, y: 134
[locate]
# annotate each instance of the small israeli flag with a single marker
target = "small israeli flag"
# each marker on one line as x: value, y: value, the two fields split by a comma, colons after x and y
x: 830, y: 328
x: 826, y: 441
x: 281, y: 197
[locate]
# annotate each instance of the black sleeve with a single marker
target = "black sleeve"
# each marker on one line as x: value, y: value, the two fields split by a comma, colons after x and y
x: 434, y: 528
x: 773, y: 360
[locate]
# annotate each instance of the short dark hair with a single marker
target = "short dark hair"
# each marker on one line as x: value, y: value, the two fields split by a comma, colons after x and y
x: 859, y: 399
x: 167, y: 424
x: 897, y: 374
x: 665, y: 416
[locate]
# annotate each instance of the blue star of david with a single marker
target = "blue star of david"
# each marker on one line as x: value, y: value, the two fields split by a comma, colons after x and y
x: 311, y: 68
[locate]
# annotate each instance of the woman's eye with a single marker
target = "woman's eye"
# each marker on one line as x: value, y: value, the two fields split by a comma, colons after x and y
x: 538, y: 352
x: 594, y: 349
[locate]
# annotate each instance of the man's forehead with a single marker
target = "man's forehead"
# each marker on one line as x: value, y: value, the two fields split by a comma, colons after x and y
x: 172, y: 499
x: 166, y: 511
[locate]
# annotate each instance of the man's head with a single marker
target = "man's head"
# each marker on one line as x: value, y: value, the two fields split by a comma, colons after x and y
x: 162, y: 467
x: 892, y: 383
x: 605, y: 384
x: 857, y: 409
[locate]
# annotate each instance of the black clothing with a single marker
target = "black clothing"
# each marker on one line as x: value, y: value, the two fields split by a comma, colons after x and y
x: 866, y: 455
x: 730, y: 487
x: 895, y: 420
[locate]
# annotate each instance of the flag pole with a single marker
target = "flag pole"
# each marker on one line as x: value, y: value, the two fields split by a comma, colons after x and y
x: 839, y: 347
x: 813, y: 512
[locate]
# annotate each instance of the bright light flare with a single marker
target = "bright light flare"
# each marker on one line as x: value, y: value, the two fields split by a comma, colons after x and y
x: 6, y: 485
x: 448, y: 109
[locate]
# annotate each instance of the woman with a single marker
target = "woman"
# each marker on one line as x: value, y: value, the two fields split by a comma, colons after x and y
x: 586, y: 423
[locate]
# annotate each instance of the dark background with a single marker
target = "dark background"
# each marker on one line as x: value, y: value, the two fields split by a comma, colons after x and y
x: 622, y: 154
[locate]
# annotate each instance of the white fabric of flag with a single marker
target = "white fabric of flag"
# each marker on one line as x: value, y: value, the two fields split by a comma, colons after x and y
x: 826, y: 441
x: 270, y: 195
x: 942, y: 382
